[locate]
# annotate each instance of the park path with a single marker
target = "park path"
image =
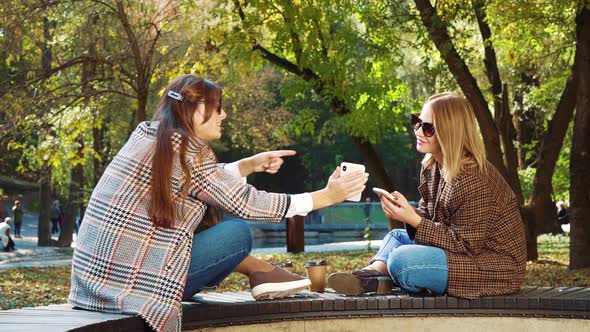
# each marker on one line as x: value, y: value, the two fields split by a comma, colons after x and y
x: 28, y: 254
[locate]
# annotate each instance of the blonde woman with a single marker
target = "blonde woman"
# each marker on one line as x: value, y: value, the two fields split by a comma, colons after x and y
x: 467, y: 238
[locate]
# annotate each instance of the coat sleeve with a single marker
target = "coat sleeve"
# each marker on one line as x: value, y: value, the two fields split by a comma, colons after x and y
x: 214, y: 185
x: 422, y: 208
x: 470, y: 210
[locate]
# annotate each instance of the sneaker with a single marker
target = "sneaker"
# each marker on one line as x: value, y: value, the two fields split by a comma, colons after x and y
x: 276, y: 284
x: 360, y: 282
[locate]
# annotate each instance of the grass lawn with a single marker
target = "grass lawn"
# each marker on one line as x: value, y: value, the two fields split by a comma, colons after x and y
x: 26, y: 287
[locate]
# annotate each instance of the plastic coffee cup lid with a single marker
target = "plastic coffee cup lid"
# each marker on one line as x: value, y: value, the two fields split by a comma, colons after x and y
x: 315, y: 263
x: 285, y: 264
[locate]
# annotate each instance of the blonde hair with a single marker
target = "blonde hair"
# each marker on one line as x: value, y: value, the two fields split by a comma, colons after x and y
x: 457, y: 133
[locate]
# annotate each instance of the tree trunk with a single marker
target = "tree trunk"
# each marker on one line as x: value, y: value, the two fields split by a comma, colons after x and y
x: 580, y: 157
x: 374, y: 164
x: 74, y: 199
x: 540, y: 199
x: 141, y: 113
x: 508, y: 135
x: 46, y: 56
x: 141, y: 62
x: 43, y: 228
x: 98, y: 148
x: 376, y: 169
x: 501, y: 104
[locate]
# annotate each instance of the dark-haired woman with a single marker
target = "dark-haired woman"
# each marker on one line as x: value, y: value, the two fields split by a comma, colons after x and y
x: 150, y: 235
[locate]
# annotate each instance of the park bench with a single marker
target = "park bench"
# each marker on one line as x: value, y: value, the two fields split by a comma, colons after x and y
x: 531, y: 309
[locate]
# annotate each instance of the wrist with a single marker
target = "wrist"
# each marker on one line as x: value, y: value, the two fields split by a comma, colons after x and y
x: 245, y: 167
x: 415, y: 220
x: 322, y: 198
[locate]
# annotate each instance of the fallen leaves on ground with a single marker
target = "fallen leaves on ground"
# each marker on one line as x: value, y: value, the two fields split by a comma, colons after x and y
x: 25, y: 287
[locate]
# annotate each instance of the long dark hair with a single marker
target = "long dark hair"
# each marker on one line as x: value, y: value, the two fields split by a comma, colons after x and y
x: 176, y: 116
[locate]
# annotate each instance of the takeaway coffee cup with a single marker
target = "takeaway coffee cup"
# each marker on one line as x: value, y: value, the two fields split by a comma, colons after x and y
x: 316, y: 272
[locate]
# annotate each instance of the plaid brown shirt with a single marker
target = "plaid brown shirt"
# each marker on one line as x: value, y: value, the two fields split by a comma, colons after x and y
x: 122, y: 262
x: 476, y: 220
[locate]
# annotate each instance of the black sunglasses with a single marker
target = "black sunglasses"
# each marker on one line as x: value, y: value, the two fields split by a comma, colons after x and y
x: 218, y: 109
x: 427, y: 128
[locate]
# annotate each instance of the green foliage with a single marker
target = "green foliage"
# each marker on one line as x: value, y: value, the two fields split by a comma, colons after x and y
x: 527, y: 176
x: 530, y: 34
x: 255, y: 112
x: 346, y: 51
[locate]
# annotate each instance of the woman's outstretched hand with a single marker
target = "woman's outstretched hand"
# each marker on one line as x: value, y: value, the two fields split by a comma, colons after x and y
x: 397, y: 207
x: 339, y: 188
x: 269, y: 162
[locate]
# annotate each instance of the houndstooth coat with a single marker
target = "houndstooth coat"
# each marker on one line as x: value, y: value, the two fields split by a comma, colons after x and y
x: 122, y: 262
x: 476, y: 220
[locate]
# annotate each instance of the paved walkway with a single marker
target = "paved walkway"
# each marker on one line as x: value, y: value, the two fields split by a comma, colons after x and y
x: 28, y: 254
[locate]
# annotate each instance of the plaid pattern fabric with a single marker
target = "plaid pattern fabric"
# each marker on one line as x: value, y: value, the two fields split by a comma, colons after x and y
x: 122, y: 263
x: 476, y: 220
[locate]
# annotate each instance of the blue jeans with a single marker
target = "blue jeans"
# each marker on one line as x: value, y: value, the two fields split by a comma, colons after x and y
x: 216, y: 252
x: 414, y: 267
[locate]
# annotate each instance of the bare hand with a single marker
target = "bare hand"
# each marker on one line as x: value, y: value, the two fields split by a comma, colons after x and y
x: 396, y: 207
x: 340, y: 188
x: 269, y: 162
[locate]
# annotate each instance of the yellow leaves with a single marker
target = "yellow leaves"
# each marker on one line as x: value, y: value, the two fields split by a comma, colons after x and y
x: 362, y: 99
x: 26, y: 287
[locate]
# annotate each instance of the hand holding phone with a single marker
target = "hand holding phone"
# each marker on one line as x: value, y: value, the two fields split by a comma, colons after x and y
x: 346, y: 167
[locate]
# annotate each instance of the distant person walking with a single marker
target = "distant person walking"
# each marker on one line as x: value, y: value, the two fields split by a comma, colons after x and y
x: 562, y: 214
x: 367, y: 208
x: 17, y: 215
x: 56, y: 214
x: 563, y: 217
x: 7, y: 243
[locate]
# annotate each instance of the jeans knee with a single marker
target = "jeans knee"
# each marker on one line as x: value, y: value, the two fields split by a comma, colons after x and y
x: 397, y: 262
x: 241, y: 234
x: 394, y: 233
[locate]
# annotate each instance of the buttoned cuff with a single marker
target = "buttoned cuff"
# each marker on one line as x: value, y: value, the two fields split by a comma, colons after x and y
x: 301, y: 205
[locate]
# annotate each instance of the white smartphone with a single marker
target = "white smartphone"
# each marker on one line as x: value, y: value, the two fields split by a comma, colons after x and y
x: 380, y: 192
x: 387, y: 194
x: 349, y: 167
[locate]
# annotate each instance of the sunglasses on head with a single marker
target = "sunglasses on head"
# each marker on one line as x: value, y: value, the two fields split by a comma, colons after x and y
x: 427, y: 128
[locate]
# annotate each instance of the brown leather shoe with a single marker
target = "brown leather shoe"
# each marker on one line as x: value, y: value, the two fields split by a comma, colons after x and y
x: 276, y: 284
x: 360, y: 282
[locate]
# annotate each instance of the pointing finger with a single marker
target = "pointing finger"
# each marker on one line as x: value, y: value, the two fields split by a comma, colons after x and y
x: 283, y: 153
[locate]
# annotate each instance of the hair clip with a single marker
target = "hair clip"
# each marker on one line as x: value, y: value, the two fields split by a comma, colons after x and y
x: 175, y: 95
